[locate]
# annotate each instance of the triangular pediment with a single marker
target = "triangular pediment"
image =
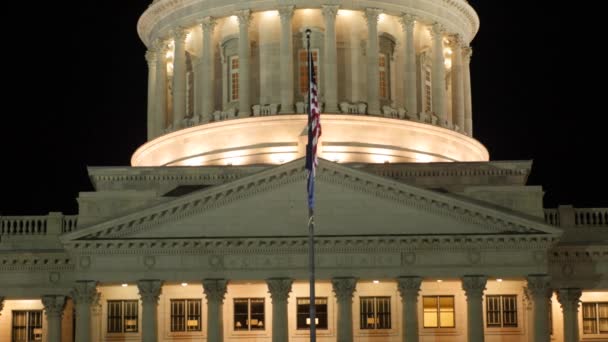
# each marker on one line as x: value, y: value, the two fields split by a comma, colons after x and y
x: 348, y: 202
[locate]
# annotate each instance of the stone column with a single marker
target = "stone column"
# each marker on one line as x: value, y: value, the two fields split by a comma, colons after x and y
x: 457, y: 83
x: 279, y: 290
x: 208, y: 24
x: 409, y: 288
x: 344, y: 289
x: 540, y: 291
x: 286, y: 78
x: 151, y: 58
x: 474, y: 286
x: 467, y: 52
x: 160, y: 93
x: 215, y: 290
x: 53, y: 307
x: 330, y: 67
x: 410, y: 96
x: 179, y: 76
x: 149, y: 291
x: 84, y: 295
x: 96, y: 332
x: 373, y: 76
x: 569, y: 300
x: 438, y: 75
x: 244, y: 54
x: 1, y: 304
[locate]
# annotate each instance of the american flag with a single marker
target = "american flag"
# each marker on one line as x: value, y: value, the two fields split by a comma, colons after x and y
x: 314, y: 131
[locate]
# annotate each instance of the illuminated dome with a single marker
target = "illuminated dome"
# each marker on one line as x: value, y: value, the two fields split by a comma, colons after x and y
x: 227, y: 82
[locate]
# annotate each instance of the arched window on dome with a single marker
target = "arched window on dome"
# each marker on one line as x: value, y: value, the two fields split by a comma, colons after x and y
x: 316, y: 46
x: 385, y: 65
x: 425, y: 85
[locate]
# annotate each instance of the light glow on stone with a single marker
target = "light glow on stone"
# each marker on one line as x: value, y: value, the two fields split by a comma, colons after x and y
x: 124, y: 285
x: 184, y: 284
x: 270, y: 14
x: 499, y: 280
x: 376, y: 281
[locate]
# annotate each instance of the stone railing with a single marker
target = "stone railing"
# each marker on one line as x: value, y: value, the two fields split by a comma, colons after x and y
x: 51, y: 224
x: 568, y: 216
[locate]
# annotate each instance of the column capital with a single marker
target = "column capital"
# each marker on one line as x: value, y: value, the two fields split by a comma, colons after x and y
x: 330, y: 11
x: 208, y: 24
x: 409, y: 287
x: 286, y: 12
x: 344, y: 288
x: 539, y: 285
x: 85, y: 292
x: 244, y: 17
x: 279, y: 288
x: 474, y: 285
x: 467, y: 53
x: 149, y: 290
x: 159, y: 45
x: 569, y: 298
x: 53, y: 305
x: 215, y: 289
x: 151, y: 57
x: 436, y: 30
x: 456, y: 41
x: 407, y: 21
x: 372, y: 15
x: 179, y: 34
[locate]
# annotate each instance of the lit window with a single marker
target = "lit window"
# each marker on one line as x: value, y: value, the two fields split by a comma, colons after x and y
x: 303, y: 313
x: 249, y: 314
x: 501, y: 311
x: 303, y: 69
x: 234, y: 78
x: 383, y: 79
x: 375, y: 313
x: 122, y: 316
x: 27, y: 326
x: 438, y: 311
x: 185, y: 315
x: 595, y: 318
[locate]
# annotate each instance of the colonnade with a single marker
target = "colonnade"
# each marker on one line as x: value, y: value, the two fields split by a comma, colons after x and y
x: 159, y: 117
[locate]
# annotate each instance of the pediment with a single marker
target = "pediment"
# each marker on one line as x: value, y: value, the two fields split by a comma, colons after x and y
x: 349, y: 203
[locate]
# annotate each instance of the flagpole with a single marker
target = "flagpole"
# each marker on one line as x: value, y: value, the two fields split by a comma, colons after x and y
x: 311, y: 222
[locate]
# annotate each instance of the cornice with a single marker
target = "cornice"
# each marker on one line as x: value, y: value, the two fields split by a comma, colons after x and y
x: 26, y: 262
x: 490, y: 219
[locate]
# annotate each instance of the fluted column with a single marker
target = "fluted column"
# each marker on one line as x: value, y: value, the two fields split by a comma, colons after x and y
x: 215, y: 291
x: 569, y: 300
x: 330, y: 86
x: 344, y: 289
x: 53, y: 307
x: 179, y: 76
x: 207, y: 25
x: 467, y: 52
x: 410, y: 96
x: 457, y: 83
x: 84, y: 295
x: 151, y: 58
x: 244, y: 17
x: 373, y: 77
x: 539, y: 288
x: 409, y: 287
x: 474, y: 286
x: 286, y: 78
x: 149, y: 291
x: 438, y: 74
x: 279, y: 289
x: 160, y: 93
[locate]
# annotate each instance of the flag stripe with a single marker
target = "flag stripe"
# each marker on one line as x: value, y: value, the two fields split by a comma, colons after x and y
x: 314, y: 131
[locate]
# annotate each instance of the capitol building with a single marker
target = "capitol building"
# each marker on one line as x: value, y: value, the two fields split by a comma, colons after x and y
x: 419, y: 236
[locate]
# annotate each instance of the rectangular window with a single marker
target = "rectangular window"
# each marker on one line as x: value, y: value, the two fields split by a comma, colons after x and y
x: 27, y: 326
x: 438, y: 311
x: 427, y: 88
x: 303, y: 69
x: 249, y: 314
x: 303, y: 313
x: 382, y: 76
x: 234, y: 78
x: 501, y: 311
x: 185, y: 315
x: 375, y: 313
x: 123, y: 316
x: 595, y: 318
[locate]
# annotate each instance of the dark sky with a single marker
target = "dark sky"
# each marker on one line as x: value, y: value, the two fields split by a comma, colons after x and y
x: 76, y: 97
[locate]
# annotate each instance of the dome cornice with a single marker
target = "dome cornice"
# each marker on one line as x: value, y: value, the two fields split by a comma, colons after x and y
x: 457, y: 16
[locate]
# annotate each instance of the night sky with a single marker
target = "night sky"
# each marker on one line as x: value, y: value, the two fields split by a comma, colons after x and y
x: 76, y: 97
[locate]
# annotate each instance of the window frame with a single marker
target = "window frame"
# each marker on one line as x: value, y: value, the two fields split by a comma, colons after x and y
x: 122, y: 316
x: 306, y: 314
x: 186, y: 315
x: 596, y: 319
x: 439, y: 311
x: 377, y: 320
x: 250, y: 315
x: 30, y: 329
x: 383, y: 77
x: 233, y: 78
x: 501, y: 312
